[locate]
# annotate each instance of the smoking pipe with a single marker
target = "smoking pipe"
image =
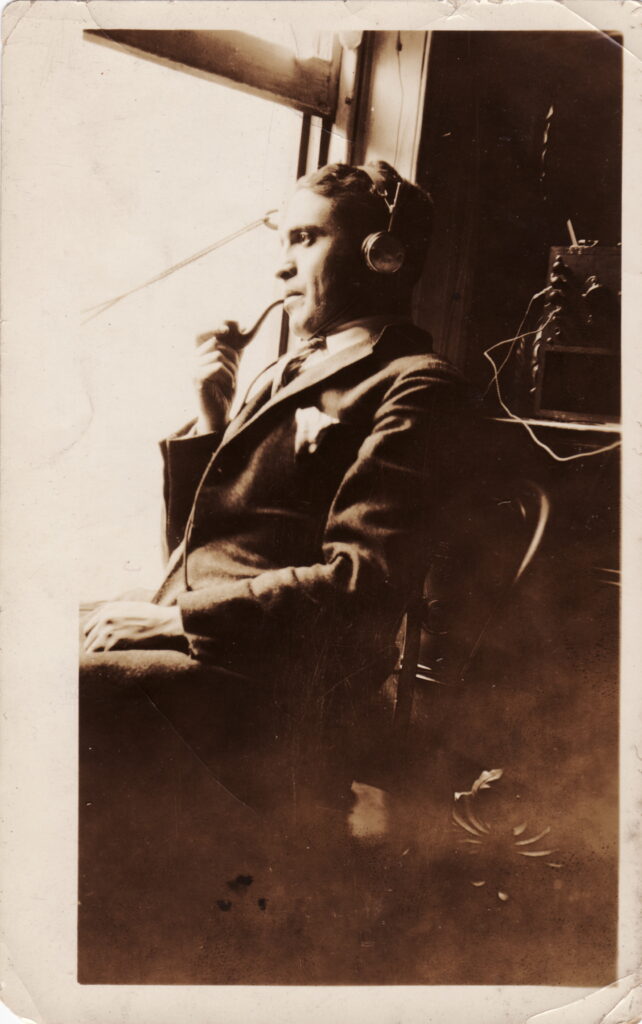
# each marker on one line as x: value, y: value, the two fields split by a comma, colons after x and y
x: 244, y: 338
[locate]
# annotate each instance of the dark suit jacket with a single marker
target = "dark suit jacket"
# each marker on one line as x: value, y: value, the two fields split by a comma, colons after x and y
x: 312, y: 513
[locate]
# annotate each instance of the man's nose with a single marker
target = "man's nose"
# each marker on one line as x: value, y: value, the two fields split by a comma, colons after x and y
x: 286, y: 270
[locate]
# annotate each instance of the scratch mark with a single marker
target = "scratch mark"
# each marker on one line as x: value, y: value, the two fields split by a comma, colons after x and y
x: 196, y: 755
x: 597, y: 1006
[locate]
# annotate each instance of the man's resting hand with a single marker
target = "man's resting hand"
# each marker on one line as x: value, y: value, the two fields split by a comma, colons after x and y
x: 129, y: 620
x: 215, y: 366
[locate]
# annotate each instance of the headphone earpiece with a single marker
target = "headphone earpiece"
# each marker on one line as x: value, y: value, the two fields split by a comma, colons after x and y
x: 382, y: 251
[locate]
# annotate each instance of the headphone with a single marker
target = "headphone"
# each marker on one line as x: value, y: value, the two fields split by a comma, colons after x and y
x: 382, y: 251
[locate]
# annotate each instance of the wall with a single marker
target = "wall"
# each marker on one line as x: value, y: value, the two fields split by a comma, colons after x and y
x: 522, y: 130
x: 393, y: 98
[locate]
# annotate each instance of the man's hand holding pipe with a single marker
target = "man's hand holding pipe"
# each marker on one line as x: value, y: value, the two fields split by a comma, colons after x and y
x: 215, y: 368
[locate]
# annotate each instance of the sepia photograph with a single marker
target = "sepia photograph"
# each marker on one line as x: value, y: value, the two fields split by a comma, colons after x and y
x: 318, y: 369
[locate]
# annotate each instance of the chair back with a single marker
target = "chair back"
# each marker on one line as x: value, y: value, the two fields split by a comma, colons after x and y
x: 483, y: 543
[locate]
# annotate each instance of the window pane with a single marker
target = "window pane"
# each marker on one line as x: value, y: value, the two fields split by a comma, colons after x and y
x: 174, y: 164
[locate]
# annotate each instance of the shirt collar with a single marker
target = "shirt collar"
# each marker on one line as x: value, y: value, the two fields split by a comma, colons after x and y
x: 367, y: 328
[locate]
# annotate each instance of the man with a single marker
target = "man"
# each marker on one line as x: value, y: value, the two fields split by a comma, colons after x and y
x: 297, y: 529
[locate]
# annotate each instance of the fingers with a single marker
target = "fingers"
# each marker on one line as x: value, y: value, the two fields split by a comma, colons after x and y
x: 92, y: 621
x: 204, y: 361
x: 215, y: 371
x: 110, y: 640
x: 101, y: 643
x: 89, y: 624
x: 90, y: 640
x: 98, y: 634
x: 100, y: 629
x: 215, y: 378
x: 216, y: 390
x: 213, y: 347
x: 212, y: 358
x: 229, y: 336
x: 128, y: 621
x: 100, y: 638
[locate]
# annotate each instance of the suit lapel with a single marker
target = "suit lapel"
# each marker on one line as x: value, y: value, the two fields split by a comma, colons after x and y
x: 249, y: 408
x: 317, y: 372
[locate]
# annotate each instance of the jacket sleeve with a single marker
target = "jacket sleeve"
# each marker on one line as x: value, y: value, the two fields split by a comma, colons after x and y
x: 373, y: 539
x: 181, y: 474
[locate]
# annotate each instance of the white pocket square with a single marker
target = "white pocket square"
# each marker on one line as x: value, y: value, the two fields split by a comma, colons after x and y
x: 311, y: 424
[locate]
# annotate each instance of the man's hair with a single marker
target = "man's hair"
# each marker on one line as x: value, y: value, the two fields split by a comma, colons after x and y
x: 359, y: 205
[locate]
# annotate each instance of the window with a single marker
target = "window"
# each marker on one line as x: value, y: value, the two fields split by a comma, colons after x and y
x: 168, y: 163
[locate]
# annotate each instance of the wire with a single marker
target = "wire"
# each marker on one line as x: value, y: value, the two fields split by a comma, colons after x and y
x: 517, y: 337
x: 518, y: 419
x: 104, y: 306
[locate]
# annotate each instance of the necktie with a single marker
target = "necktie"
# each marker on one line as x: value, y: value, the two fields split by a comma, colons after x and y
x: 294, y: 365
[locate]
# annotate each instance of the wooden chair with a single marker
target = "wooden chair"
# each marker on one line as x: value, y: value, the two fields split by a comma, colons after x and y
x: 483, y: 545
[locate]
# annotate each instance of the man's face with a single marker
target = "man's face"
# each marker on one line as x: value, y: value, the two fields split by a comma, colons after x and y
x: 321, y: 268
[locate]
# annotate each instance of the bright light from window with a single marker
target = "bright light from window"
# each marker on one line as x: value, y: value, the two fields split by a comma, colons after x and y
x: 169, y: 163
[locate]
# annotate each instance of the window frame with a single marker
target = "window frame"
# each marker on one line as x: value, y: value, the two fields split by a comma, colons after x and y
x: 239, y: 60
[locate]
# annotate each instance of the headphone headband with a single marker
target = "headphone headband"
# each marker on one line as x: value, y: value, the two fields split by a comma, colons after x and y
x: 391, y: 206
x: 382, y: 188
x: 382, y: 251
